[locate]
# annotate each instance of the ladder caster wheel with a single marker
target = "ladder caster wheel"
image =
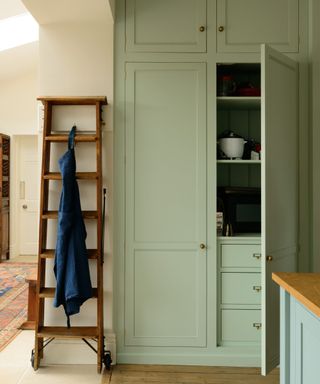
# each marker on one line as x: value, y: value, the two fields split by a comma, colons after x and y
x: 32, y: 359
x: 107, y: 360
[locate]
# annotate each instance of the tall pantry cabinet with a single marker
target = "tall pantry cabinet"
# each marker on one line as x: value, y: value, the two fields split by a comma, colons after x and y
x: 183, y: 294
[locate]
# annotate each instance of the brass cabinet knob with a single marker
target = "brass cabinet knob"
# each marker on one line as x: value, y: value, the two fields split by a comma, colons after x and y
x: 202, y: 246
x: 257, y: 288
x: 269, y: 258
x: 24, y: 206
x: 221, y: 28
x: 257, y: 325
x: 202, y: 28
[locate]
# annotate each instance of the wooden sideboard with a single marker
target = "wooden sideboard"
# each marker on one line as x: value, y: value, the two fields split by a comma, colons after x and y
x: 4, y: 197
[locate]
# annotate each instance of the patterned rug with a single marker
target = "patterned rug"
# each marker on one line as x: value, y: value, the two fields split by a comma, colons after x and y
x: 13, y: 298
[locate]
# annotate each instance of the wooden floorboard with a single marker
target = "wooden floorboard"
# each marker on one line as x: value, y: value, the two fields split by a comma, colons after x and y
x: 173, y: 374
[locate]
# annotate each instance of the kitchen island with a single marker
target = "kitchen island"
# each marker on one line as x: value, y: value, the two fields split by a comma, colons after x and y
x: 300, y: 327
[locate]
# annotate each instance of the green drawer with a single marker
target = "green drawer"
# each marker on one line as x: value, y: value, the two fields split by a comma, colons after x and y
x: 240, y: 325
x: 240, y: 255
x: 240, y: 288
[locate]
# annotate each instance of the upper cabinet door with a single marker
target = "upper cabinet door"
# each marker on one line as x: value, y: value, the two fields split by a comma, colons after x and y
x: 279, y: 182
x: 242, y: 25
x: 166, y: 26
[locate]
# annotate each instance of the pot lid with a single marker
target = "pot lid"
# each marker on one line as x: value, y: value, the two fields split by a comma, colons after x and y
x: 230, y: 135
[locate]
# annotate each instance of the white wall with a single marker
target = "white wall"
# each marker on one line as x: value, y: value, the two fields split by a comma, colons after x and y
x: 18, y: 116
x: 18, y: 105
x: 76, y: 59
x: 113, y: 7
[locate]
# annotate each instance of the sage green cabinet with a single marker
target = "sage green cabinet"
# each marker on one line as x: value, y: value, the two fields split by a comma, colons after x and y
x: 165, y: 268
x: 173, y: 288
x: 242, y: 25
x: 166, y: 25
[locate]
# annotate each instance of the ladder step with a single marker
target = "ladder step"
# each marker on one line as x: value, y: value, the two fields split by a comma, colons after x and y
x: 85, y: 100
x: 85, y: 138
x: 64, y: 332
x: 49, y: 254
x: 79, y: 176
x: 48, y: 293
x: 85, y: 214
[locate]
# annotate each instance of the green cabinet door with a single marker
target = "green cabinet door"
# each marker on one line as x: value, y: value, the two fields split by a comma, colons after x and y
x: 242, y: 25
x: 165, y: 268
x: 166, y: 25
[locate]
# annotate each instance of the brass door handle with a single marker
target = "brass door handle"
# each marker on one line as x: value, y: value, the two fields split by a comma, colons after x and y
x: 202, y: 28
x: 257, y: 256
x: 257, y: 325
x: 257, y: 288
x: 269, y: 258
x: 202, y: 246
x: 221, y: 28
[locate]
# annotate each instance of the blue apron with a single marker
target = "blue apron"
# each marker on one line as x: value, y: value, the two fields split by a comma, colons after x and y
x: 71, y: 266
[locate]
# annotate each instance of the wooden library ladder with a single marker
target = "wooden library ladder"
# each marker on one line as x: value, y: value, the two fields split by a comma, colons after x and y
x: 45, y: 334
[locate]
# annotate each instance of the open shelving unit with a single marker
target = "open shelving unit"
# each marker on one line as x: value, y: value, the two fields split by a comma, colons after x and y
x: 238, y: 102
x: 239, y: 256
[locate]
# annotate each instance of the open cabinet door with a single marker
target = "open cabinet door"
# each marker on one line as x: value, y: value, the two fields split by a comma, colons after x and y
x: 279, y: 188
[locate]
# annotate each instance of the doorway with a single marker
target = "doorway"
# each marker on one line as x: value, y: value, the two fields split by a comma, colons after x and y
x: 25, y: 197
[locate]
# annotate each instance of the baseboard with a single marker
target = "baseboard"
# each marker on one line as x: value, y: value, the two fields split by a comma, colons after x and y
x: 231, y: 360
x: 13, y: 251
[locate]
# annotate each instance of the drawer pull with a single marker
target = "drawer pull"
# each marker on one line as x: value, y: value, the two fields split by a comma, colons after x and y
x: 257, y: 256
x: 257, y: 325
x: 257, y: 288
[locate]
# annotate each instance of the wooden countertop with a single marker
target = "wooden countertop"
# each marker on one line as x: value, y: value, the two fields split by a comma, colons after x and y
x: 305, y: 287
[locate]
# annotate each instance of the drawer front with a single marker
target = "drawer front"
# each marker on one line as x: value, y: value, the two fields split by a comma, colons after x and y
x: 240, y: 288
x: 240, y: 255
x: 240, y: 325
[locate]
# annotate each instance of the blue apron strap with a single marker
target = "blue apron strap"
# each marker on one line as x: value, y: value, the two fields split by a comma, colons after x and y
x: 71, y: 137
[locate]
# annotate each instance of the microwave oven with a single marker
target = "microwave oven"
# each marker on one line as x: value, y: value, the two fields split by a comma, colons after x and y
x: 241, y: 207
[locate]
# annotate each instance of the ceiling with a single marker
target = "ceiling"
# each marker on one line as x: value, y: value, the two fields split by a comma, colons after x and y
x: 54, y: 11
x: 19, y: 60
x: 16, y: 61
x: 11, y: 8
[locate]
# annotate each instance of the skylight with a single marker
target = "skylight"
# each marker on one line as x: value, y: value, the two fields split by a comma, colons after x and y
x: 18, y: 30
